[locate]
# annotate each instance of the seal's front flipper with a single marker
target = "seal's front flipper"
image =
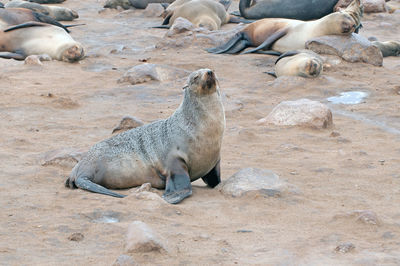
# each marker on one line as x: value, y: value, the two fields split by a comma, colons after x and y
x: 213, y: 178
x: 271, y: 73
x: 178, y: 185
x: 16, y: 56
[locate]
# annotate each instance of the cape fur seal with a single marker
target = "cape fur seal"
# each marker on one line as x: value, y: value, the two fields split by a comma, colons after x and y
x: 47, y: 1
x: 142, y: 4
x: 388, y: 48
x: 306, y: 64
x: 292, y: 9
x: 35, y: 38
x: 283, y: 35
x: 57, y: 12
x: 15, y: 16
x: 167, y: 153
x: 209, y: 14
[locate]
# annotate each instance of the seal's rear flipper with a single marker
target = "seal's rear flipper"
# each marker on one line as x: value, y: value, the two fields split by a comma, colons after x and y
x: 267, y: 44
x: 239, y: 42
x: 233, y: 19
x: 86, y: 184
x: 271, y: 73
x: 49, y: 20
x: 178, y: 185
x: 236, y: 13
x: 26, y: 25
x: 161, y: 27
x: 16, y: 56
x: 213, y: 178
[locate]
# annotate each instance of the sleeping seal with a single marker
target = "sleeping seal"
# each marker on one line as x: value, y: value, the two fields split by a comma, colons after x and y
x: 209, y: 14
x: 36, y: 38
x: 58, y: 13
x: 167, y: 153
x: 388, y: 48
x: 293, y: 9
x: 283, y: 35
x: 14, y: 16
x: 305, y: 63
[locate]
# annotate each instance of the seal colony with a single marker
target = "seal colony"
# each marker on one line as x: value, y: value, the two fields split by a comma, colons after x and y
x: 283, y: 35
x: 168, y: 153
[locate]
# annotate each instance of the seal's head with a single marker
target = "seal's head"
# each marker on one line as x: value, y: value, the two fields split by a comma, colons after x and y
x: 310, y: 68
x: 347, y: 20
x: 202, y: 82
x: 71, y: 53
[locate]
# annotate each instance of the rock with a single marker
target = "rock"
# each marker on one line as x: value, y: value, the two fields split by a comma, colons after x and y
x: 370, y: 6
x: 127, y: 122
x: 124, y: 260
x: 153, y: 10
x: 303, y: 112
x: 360, y: 216
x: 33, y: 60
x: 76, y: 237
x: 180, y: 25
x: 345, y: 247
x: 64, y: 157
x: 125, y: 4
x: 352, y: 48
x: 144, y: 187
x: 141, y: 238
x: 253, y: 181
x: 146, y: 72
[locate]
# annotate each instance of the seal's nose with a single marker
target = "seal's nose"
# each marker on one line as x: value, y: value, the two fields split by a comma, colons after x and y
x: 209, y: 72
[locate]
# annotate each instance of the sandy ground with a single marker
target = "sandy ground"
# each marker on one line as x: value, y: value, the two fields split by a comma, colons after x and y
x: 60, y: 105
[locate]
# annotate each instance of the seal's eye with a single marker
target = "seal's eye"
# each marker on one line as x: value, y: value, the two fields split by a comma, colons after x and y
x: 196, y: 78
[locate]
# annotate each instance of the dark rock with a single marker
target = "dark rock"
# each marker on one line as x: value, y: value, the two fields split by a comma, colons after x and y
x: 127, y: 122
x: 76, y: 237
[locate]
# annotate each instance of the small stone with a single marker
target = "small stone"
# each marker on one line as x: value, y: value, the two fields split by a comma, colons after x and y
x: 153, y: 10
x: 244, y: 231
x: 144, y: 187
x: 125, y: 4
x: 367, y: 217
x: 352, y: 48
x: 180, y: 25
x: 141, y: 238
x: 388, y: 235
x: 45, y: 57
x: 64, y: 157
x: 334, y: 134
x: 302, y: 112
x: 127, y: 122
x: 146, y: 72
x: 76, y: 237
x: 33, y: 60
x: 124, y: 260
x: 345, y: 247
x: 253, y: 181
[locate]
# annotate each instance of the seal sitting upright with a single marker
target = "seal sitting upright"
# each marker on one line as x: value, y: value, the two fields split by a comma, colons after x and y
x: 167, y: 153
